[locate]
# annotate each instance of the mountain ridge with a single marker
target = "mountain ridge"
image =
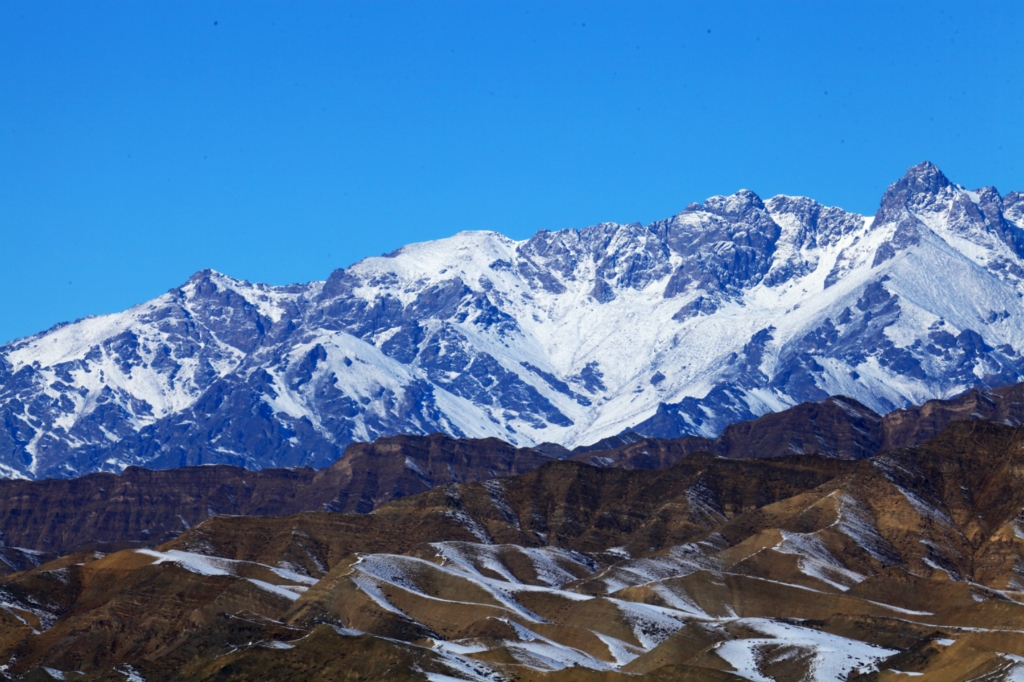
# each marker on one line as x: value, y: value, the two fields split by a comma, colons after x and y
x: 140, y: 507
x: 732, y: 308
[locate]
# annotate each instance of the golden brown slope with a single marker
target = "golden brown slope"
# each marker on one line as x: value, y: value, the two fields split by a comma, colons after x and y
x: 787, y: 569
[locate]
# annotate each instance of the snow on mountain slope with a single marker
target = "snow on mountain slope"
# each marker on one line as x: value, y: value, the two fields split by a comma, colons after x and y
x: 730, y: 309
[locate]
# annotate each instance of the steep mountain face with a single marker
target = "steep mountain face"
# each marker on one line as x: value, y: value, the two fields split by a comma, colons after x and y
x: 791, y: 568
x: 106, y: 511
x: 731, y: 309
x: 372, y: 474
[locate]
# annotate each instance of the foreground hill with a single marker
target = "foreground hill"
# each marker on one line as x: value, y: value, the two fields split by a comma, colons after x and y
x: 793, y: 568
x: 728, y: 310
x: 42, y: 519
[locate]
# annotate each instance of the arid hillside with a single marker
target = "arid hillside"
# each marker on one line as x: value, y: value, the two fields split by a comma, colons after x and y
x: 802, y: 567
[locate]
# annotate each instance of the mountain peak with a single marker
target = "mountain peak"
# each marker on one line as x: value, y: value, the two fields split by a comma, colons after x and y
x: 925, y: 177
x: 204, y: 280
x: 733, y: 206
x: 919, y: 185
x: 206, y: 275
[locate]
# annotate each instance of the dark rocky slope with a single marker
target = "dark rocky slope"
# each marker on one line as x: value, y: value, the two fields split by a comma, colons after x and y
x: 837, y: 427
x: 142, y: 507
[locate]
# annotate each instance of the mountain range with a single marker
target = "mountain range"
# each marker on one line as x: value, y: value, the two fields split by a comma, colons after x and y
x: 731, y: 309
x: 809, y: 568
x: 42, y: 520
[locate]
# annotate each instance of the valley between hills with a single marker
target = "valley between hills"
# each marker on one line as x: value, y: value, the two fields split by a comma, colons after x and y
x: 892, y: 548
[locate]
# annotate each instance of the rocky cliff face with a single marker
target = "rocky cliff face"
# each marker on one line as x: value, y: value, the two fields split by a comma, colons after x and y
x: 728, y: 310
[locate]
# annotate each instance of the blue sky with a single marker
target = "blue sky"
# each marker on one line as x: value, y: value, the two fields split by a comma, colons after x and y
x: 142, y: 141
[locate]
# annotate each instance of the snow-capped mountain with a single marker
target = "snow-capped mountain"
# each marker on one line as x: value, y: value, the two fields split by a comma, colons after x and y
x: 730, y: 309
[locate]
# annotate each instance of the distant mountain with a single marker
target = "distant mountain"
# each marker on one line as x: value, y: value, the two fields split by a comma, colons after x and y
x: 731, y: 309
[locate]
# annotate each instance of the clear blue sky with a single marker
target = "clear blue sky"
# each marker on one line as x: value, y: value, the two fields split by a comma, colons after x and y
x: 142, y: 141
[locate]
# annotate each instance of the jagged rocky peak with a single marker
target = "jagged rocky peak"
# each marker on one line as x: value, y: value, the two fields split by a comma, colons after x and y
x: 815, y: 223
x: 726, y: 244
x: 808, y: 228
x: 924, y: 178
x: 214, y: 293
x: 924, y: 201
x: 601, y: 259
x: 923, y: 190
x: 918, y: 190
x: 736, y: 206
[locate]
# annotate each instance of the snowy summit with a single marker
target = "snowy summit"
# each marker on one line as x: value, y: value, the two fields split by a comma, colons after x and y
x: 730, y: 309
